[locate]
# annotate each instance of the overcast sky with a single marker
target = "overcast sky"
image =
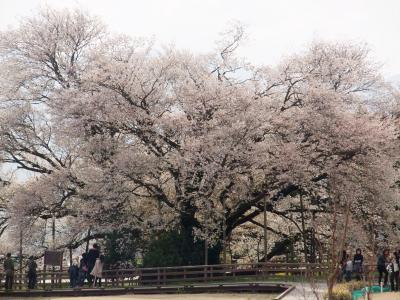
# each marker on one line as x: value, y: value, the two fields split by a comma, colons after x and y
x: 276, y: 28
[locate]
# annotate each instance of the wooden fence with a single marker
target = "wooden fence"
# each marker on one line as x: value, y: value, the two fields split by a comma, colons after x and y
x: 184, y: 275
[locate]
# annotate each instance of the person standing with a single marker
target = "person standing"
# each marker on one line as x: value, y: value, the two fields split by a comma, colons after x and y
x: 382, y: 267
x: 393, y: 269
x: 9, y: 270
x: 91, y: 257
x: 73, y: 272
x: 32, y: 273
x: 358, y: 260
x: 348, y: 268
x: 97, y: 271
x: 83, y: 269
x: 343, y: 261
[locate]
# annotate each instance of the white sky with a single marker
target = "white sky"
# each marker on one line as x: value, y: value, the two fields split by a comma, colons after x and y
x: 276, y: 27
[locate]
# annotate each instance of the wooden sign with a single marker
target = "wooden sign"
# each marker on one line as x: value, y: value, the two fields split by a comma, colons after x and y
x: 53, y: 258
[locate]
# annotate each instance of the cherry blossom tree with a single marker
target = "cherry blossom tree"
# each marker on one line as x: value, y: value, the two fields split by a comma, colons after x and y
x: 120, y: 134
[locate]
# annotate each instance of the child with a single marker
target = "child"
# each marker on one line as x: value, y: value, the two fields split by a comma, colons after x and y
x: 73, y: 272
x: 348, y: 268
x: 83, y: 270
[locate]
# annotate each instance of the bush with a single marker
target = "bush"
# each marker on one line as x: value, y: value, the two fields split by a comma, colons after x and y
x: 119, y: 247
x: 172, y: 248
x: 356, y: 285
x: 340, y: 292
x: 343, y: 291
x: 165, y: 251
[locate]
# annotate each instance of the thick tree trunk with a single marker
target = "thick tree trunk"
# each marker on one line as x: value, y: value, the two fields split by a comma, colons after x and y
x: 188, y: 243
x: 193, y: 250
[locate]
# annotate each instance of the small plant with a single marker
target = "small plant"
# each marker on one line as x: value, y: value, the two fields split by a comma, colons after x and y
x: 343, y: 291
x: 356, y: 285
x: 340, y: 292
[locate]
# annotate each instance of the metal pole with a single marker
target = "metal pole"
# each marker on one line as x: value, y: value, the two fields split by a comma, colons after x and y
x: 53, y: 231
x: 53, y: 234
x: 70, y: 255
x: 206, y: 252
x: 303, y: 228
x: 224, y: 235
x: 265, y: 230
x: 20, y: 257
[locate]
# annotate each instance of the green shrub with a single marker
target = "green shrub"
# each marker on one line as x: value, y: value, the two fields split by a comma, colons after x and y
x: 165, y: 251
x: 119, y: 247
x: 172, y: 248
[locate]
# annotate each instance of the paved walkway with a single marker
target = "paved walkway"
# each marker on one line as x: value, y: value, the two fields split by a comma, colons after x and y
x: 386, y: 296
x: 302, y: 291
x: 305, y: 291
x: 136, y: 291
x: 165, y: 297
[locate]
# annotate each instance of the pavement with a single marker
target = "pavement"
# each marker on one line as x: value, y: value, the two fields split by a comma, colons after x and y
x: 163, y: 297
x: 306, y: 291
x: 301, y: 291
x: 386, y: 296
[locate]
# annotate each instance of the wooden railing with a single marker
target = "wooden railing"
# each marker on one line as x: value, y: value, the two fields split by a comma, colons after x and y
x: 185, y: 275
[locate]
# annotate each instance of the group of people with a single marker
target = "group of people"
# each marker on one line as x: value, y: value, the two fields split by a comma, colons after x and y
x: 9, y: 269
x: 351, y: 266
x: 89, y: 268
x: 388, y: 267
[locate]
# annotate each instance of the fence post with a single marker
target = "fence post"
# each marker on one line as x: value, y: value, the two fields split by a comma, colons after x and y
x: 61, y: 270
x: 165, y: 276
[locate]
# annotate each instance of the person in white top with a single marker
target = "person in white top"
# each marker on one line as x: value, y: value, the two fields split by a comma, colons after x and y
x: 97, y: 271
x: 393, y: 269
x: 348, y: 267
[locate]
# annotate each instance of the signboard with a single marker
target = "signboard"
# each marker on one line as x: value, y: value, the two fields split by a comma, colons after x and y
x: 53, y: 258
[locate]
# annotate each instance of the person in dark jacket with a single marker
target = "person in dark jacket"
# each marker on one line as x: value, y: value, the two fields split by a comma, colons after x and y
x: 73, y: 272
x: 9, y: 270
x: 358, y: 260
x: 92, y: 255
x: 382, y: 267
x: 32, y: 273
x: 83, y: 269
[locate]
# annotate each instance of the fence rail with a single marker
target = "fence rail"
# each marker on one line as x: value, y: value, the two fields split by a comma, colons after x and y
x: 183, y: 274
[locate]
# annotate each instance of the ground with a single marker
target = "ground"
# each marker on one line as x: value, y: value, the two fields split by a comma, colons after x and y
x: 306, y: 291
x: 386, y: 296
x: 166, y: 297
